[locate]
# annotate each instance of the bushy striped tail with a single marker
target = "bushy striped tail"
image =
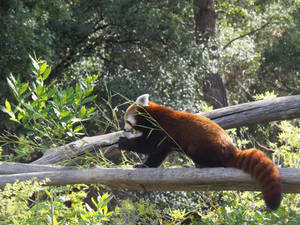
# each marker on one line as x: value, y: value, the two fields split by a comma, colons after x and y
x: 263, y: 170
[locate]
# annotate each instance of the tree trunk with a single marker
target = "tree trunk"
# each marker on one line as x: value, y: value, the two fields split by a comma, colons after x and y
x: 214, y: 90
x: 205, y: 19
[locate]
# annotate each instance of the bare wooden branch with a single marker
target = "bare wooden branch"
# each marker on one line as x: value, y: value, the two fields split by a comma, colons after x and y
x: 246, y: 34
x: 159, y: 179
x: 104, y: 142
x: 281, y: 108
x: 13, y: 168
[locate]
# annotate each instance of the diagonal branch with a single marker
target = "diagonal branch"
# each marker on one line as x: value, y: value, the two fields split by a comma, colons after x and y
x: 246, y: 34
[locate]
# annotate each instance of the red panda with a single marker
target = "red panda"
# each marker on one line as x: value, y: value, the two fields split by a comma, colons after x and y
x: 156, y: 130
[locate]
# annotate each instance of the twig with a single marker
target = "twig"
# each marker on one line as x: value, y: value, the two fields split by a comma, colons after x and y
x: 246, y: 34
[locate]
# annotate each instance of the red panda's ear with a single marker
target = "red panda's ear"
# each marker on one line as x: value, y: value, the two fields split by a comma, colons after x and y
x: 143, y: 100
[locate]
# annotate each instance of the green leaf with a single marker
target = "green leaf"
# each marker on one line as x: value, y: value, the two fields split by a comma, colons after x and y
x: 64, y: 113
x: 43, y: 68
x: 69, y: 92
x: 11, y: 83
x: 34, y: 63
x: 78, y: 128
x: 87, y: 92
x: 46, y: 74
x: 82, y: 111
x: 23, y: 88
x: 89, y: 99
x: 13, y: 119
x: 77, y: 101
x: 78, y: 90
x: 20, y: 116
x: 7, y: 105
x: 51, y: 92
x: 3, y: 109
x: 91, y: 110
x: 39, y: 89
x: 66, y: 119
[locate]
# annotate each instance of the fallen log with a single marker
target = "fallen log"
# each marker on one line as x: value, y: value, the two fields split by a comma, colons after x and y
x: 160, y: 179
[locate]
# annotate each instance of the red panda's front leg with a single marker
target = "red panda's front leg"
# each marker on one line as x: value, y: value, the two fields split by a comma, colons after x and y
x: 137, y: 144
x: 156, y: 159
x: 157, y: 154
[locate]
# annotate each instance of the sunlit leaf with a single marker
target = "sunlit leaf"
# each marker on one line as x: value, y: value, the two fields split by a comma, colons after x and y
x: 78, y: 128
x: 7, y: 105
x: 34, y: 63
x: 43, y: 68
x: 23, y: 88
x: 82, y: 111
x: 47, y: 72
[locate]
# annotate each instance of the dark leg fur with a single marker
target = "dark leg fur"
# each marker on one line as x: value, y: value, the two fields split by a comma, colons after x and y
x: 155, y: 160
x: 156, y: 154
x: 136, y: 145
x: 199, y: 166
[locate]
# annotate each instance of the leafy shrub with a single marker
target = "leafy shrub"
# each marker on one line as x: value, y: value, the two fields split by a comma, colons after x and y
x: 49, y: 111
x: 15, y: 207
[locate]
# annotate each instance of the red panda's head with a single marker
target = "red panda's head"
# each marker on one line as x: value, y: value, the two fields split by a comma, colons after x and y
x: 131, y: 114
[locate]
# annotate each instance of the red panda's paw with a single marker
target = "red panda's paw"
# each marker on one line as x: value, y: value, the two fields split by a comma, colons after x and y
x: 139, y: 165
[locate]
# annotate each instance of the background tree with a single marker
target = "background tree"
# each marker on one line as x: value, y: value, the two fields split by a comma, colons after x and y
x: 214, y: 90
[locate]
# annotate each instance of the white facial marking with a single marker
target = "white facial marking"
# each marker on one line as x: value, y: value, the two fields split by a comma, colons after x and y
x: 131, y: 119
x: 132, y: 122
x: 132, y: 135
x: 143, y: 100
x: 127, y: 127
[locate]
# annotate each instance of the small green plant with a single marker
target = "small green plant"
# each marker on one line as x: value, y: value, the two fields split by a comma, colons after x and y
x: 49, y: 114
x: 91, y: 216
x: 46, y: 110
x: 15, y: 203
x: 131, y: 213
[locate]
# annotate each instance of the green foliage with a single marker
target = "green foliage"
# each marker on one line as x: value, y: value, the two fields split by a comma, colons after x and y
x: 48, y: 111
x: 30, y: 203
x: 142, y: 212
x: 279, y: 67
x: 15, y: 207
x: 287, y: 150
x: 101, y: 214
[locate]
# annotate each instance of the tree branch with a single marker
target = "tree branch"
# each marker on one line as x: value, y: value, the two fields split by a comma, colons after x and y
x: 159, y: 179
x: 282, y: 108
x: 246, y: 34
x: 104, y: 142
x: 15, y: 168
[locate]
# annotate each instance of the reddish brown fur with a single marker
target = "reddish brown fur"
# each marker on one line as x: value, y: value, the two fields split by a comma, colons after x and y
x: 205, y: 142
